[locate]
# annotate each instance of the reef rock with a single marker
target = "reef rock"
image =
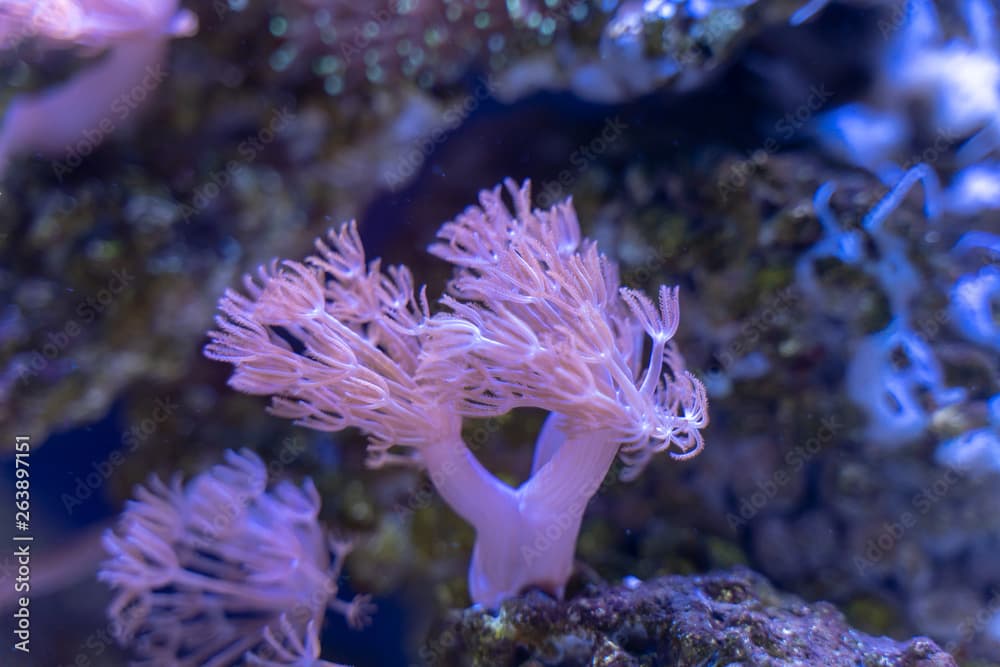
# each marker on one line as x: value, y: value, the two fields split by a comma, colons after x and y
x: 723, y: 618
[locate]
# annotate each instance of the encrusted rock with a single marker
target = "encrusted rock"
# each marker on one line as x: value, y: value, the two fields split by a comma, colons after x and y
x: 723, y: 618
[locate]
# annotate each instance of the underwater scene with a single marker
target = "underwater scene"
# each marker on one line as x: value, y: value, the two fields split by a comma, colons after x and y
x: 500, y: 333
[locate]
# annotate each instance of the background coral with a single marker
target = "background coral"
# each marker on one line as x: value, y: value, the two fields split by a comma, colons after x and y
x: 221, y: 567
x: 135, y: 34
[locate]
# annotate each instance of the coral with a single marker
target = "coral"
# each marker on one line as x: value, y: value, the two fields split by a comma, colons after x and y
x: 893, y: 371
x: 166, y: 226
x: 955, y: 80
x: 974, y: 295
x: 135, y: 33
x: 729, y: 256
x: 975, y: 452
x: 208, y: 571
x: 534, y: 317
x: 891, y: 374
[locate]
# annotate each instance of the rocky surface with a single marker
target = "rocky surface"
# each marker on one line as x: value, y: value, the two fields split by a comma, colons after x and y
x: 722, y: 618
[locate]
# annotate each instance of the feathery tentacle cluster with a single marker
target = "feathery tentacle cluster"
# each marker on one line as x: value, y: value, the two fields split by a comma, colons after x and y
x: 207, y: 572
x: 355, y: 323
x: 538, y: 319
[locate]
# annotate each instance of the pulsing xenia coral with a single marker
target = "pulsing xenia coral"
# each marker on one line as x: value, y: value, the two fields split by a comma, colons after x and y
x: 533, y: 317
x: 221, y: 568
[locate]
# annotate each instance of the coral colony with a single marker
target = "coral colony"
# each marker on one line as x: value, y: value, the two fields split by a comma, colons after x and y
x: 135, y: 34
x: 533, y: 317
x: 890, y: 395
x: 221, y: 567
x: 958, y: 82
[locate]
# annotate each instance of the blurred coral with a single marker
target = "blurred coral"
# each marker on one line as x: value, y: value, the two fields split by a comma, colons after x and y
x: 535, y: 317
x: 207, y: 572
x: 974, y: 295
x: 894, y: 372
x: 950, y: 83
x: 975, y: 452
x: 135, y: 34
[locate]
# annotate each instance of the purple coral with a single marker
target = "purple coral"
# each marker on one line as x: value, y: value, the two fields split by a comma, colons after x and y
x: 135, y: 34
x: 220, y: 568
x: 534, y: 317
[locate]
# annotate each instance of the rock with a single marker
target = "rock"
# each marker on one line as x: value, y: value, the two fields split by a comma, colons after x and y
x: 722, y: 618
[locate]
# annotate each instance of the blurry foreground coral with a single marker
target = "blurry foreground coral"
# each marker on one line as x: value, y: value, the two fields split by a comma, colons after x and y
x: 134, y: 33
x: 221, y: 568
